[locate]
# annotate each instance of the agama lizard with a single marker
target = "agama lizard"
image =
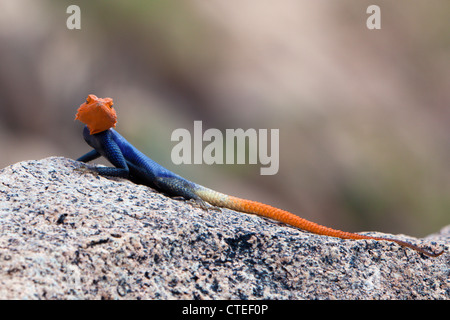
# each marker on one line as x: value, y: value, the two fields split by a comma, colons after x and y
x: 100, y: 117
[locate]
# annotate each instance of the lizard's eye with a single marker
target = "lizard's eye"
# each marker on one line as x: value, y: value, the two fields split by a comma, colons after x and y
x: 109, y: 102
x: 90, y: 98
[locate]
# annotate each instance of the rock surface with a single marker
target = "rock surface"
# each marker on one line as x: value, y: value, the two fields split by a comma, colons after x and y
x: 65, y: 234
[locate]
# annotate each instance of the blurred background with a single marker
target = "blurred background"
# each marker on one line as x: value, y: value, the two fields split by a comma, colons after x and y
x: 363, y: 114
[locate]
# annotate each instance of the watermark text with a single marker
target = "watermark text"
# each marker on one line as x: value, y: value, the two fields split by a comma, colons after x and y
x: 234, y: 148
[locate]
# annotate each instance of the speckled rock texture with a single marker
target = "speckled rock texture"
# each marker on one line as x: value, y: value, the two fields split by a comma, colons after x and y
x: 66, y: 234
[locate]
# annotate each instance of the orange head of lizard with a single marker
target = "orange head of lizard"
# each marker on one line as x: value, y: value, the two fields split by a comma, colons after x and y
x: 97, y: 113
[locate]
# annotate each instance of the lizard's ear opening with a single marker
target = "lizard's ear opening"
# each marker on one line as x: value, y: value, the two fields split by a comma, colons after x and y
x: 97, y: 113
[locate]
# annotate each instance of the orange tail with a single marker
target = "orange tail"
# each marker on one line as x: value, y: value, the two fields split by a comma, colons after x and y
x: 261, y: 209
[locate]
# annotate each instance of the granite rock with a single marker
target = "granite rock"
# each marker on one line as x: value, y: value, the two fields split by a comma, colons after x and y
x: 67, y: 234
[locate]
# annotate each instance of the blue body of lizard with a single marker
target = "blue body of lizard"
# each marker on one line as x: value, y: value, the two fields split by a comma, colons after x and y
x: 131, y: 163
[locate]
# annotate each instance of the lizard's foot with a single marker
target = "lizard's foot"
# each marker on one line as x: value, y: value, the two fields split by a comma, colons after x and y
x: 203, y: 204
x: 84, y: 168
